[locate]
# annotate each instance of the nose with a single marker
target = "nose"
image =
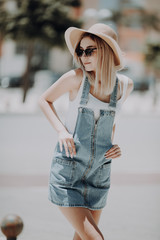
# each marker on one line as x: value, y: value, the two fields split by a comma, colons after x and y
x: 84, y: 55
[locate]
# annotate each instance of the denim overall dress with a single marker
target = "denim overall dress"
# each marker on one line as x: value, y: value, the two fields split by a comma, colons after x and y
x: 84, y: 180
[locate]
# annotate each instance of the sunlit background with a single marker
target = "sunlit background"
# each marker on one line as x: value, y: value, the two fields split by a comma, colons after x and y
x: 33, y: 55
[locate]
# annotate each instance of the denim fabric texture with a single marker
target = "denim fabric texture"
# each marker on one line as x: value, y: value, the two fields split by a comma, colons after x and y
x: 84, y: 180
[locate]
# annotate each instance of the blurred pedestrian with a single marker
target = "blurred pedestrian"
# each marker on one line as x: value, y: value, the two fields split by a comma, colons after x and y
x: 80, y: 170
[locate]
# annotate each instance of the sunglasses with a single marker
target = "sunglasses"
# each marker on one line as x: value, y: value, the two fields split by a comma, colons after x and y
x: 88, y: 52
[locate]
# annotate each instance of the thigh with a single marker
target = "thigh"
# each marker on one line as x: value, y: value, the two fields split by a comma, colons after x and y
x: 83, y: 222
x: 96, y: 216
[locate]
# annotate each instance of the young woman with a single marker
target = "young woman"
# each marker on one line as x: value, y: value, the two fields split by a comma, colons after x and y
x: 80, y: 171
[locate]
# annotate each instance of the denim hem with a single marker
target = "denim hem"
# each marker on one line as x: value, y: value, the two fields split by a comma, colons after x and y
x: 76, y: 205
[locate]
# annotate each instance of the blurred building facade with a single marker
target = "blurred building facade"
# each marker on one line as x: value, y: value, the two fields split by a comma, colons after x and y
x: 132, y: 34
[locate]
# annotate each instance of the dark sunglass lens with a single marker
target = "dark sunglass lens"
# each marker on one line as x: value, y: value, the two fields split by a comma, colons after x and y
x: 79, y: 52
x: 88, y: 52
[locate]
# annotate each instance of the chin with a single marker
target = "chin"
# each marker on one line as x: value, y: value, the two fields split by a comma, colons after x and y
x: 89, y: 69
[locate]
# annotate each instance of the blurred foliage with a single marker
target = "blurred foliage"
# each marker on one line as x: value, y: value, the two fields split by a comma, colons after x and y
x: 3, y: 18
x: 45, y: 20
x: 37, y: 21
x: 152, y: 55
x: 140, y: 18
x: 73, y: 3
x: 150, y: 20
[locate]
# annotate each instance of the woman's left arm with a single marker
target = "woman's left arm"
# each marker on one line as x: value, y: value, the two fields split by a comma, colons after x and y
x: 129, y: 88
x: 115, y: 150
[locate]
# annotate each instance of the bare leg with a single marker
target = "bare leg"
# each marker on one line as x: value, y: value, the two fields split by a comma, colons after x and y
x: 83, y: 222
x: 96, y: 215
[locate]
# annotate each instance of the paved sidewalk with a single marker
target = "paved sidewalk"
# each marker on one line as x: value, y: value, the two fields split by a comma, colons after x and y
x: 132, y: 213
x: 27, y: 142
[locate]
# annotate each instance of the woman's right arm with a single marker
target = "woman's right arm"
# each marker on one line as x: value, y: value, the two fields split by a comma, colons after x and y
x: 67, y: 83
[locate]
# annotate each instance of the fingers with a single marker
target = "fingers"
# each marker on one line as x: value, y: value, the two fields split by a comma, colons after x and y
x: 61, y: 145
x: 73, y: 147
x: 66, y: 148
x: 69, y: 147
x: 114, y: 152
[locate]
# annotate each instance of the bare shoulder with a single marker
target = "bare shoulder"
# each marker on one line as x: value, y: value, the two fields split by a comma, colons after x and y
x: 130, y: 85
x: 129, y: 88
x: 77, y: 78
x: 72, y: 79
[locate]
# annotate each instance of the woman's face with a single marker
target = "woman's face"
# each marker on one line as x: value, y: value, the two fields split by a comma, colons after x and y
x: 89, y: 62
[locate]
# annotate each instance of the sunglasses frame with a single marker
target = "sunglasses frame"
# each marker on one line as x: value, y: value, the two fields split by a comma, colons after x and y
x: 88, y: 52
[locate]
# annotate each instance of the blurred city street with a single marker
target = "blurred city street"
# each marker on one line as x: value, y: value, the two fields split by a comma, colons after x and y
x: 27, y: 143
x: 33, y: 55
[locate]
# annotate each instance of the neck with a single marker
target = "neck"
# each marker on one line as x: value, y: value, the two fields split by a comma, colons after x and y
x: 99, y: 78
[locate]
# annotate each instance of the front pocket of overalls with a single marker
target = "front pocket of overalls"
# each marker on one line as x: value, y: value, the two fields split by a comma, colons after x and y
x: 63, y: 153
x: 62, y: 172
x: 104, y: 171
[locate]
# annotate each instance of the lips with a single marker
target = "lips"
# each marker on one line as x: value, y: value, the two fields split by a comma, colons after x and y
x: 86, y: 63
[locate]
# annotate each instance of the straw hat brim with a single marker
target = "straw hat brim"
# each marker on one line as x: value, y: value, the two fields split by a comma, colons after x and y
x: 72, y: 36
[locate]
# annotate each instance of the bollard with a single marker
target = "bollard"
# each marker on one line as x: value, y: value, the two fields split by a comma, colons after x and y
x: 11, y: 226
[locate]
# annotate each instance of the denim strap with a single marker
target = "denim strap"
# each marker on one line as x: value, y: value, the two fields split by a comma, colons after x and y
x: 86, y: 88
x: 113, y: 98
x: 85, y: 93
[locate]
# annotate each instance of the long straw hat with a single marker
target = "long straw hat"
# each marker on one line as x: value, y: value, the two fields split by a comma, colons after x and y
x: 72, y: 37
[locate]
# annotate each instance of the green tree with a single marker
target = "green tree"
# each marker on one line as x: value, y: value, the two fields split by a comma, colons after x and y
x: 152, y: 55
x: 152, y: 59
x: 35, y: 21
x: 3, y: 20
x: 151, y: 24
x: 150, y: 20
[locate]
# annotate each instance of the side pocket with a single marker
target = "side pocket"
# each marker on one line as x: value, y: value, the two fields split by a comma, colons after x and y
x: 62, y: 172
x: 58, y: 152
x: 103, y: 180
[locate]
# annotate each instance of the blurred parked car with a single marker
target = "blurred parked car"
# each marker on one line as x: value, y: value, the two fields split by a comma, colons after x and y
x: 10, y: 81
x: 141, y: 82
x: 14, y: 81
x: 142, y: 85
x: 43, y: 79
x: 12, y: 70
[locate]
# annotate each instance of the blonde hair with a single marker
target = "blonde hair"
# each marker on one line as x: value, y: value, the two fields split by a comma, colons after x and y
x: 106, y: 68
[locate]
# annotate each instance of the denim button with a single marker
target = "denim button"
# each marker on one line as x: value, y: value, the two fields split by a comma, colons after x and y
x: 112, y: 113
x: 102, y: 112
